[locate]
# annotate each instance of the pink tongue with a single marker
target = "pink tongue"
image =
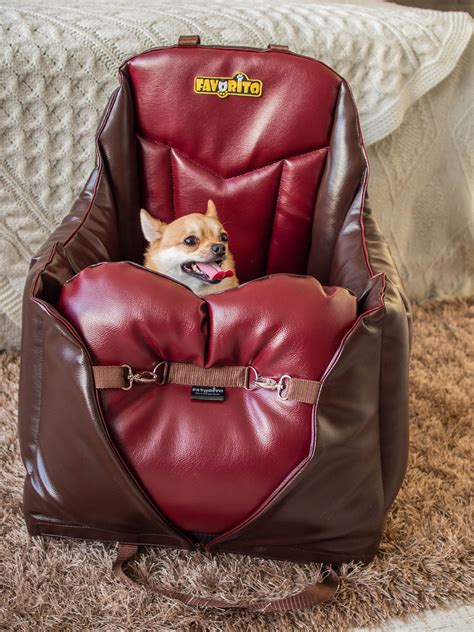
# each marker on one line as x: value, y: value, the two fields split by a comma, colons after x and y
x: 213, y: 271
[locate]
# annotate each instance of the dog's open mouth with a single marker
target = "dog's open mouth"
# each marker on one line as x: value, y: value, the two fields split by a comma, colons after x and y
x: 207, y: 271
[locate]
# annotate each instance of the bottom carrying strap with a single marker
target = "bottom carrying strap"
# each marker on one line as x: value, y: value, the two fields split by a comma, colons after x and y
x: 247, y: 377
x: 310, y: 596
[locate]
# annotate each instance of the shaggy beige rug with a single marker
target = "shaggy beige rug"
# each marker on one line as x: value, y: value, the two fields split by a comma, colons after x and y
x: 423, y: 561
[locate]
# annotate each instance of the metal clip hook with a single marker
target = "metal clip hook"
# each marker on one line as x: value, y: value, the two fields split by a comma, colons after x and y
x: 145, y: 377
x: 269, y: 383
x: 266, y: 382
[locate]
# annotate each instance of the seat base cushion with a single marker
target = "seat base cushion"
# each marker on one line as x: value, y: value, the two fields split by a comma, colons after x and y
x: 208, y: 465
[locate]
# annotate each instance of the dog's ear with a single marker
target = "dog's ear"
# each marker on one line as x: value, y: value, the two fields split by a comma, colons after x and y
x: 211, y: 209
x: 152, y: 228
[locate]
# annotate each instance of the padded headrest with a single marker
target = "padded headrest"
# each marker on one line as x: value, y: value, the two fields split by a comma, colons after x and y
x: 248, y: 128
x: 234, y: 134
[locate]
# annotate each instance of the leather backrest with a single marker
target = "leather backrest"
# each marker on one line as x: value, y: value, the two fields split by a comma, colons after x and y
x: 260, y: 157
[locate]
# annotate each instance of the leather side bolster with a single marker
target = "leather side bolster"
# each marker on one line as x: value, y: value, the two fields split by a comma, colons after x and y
x: 334, y: 509
x: 50, y: 358
x: 345, y: 169
x: 77, y: 483
x: 55, y: 263
x: 85, y: 236
x: 117, y: 143
x: 394, y: 388
x: 361, y: 253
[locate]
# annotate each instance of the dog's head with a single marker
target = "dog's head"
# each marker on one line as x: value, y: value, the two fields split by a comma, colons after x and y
x: 193, y: 249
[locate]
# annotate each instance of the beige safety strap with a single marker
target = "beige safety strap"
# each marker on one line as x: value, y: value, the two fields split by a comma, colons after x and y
x: 302, y: 391
x: 110, y: 377
x: 286, y: 387
x: 190, y: 374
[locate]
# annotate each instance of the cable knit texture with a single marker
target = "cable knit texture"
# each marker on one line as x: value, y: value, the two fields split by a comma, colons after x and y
x: 59, y: 63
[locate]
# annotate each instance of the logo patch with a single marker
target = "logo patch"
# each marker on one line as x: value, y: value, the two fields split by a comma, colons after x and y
x: 208, y: 393
x: 239, y: 86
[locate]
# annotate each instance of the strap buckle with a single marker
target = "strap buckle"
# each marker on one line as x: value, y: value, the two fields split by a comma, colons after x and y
x: 266, y: 382
x: 146, y: 377
x: 280, y: 385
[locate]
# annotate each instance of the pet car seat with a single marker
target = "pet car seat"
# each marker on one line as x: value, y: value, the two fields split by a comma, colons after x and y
x: 270, y: 419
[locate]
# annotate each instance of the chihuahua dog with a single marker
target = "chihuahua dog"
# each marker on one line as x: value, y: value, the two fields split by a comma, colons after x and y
x: 193, y: 250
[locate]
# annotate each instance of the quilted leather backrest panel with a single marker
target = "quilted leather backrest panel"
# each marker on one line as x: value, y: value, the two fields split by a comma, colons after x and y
x: 208, y: 465
x: 259, y: 158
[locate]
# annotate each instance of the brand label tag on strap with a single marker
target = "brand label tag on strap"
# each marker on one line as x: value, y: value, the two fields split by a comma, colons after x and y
x: 208, y: 393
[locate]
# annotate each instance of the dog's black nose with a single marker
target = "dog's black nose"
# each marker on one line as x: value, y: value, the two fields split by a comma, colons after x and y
x: 218, y: 249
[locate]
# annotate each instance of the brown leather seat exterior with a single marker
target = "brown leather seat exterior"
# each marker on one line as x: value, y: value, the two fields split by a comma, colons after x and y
x: 77, y: 482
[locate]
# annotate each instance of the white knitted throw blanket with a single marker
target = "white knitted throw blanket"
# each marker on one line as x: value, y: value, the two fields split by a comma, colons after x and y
x: 59, y: 63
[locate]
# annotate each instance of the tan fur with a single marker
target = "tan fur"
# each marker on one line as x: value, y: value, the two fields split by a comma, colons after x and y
x: 167, y: 251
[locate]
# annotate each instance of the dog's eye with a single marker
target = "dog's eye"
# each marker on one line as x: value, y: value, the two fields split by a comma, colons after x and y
x: 191, y: 240
x: 224, y: 237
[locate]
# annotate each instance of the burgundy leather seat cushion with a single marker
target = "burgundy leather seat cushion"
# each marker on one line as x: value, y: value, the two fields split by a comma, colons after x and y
x: 260, y: 160
x: 208, y: 465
